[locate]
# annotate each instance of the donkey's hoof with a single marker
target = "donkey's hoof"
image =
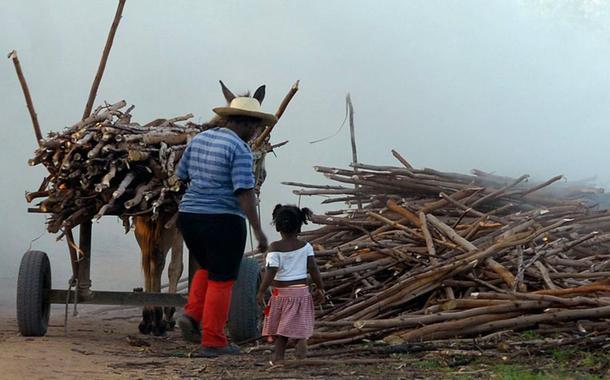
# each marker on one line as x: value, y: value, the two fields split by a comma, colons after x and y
x: 159, y: 330
x: 145, y: 328
x: 171, y: 325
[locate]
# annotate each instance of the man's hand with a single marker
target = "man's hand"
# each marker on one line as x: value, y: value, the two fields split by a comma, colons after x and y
x: 260, y: 298
x: 262, y: 240
x: 247, y: 202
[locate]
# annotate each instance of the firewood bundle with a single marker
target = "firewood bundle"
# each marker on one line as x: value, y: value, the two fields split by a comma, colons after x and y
x: 423, y: 255
x: 106, y: 164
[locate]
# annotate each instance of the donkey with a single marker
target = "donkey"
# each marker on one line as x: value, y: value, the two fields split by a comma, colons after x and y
x: 155, y: 241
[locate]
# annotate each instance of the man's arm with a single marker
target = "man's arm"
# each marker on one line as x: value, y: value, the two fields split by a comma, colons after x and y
x: 247, y: 202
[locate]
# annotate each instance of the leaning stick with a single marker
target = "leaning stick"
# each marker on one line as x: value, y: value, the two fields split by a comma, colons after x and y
x: 26, y: 92
x: 280, y: 111
x: 544, y: 184
x: 412, y: 218
x: 428, y: 238
x: 102, y: 66
x: 401, y: 159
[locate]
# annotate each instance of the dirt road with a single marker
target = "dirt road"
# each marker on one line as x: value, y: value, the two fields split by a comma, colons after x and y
x: 106, y: 345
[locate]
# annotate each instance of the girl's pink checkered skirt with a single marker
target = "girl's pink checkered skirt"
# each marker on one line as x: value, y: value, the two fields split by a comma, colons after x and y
x: 291, y: 313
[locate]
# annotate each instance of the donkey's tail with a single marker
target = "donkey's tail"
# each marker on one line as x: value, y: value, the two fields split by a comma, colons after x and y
x: 148, y: 233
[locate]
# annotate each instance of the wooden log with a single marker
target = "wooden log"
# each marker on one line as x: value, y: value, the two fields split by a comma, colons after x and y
x: 585, y: 289
x: 499, y: 308
x: 453, y: 328
x: 520, y: 322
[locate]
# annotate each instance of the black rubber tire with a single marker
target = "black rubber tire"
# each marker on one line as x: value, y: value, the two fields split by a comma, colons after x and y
x: 245, y: 316
x: 33, y: 309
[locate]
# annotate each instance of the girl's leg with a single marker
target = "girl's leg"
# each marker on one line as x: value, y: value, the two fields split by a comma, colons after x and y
x: 280, y: 348
x: 301, y: 349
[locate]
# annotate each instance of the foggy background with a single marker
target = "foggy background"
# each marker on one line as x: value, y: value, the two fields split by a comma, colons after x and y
x: 512, y: 87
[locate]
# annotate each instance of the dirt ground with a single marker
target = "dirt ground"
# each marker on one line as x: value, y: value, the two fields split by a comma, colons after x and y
x: 104, y: 344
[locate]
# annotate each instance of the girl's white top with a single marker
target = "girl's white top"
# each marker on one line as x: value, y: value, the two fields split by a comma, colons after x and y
x: 290, y: 265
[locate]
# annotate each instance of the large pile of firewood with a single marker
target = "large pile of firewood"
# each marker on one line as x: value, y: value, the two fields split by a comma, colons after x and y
x: 422, y: 255
x: 107, y: 164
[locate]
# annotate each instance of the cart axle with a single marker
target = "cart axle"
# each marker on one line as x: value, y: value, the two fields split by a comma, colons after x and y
x: 59, y: 296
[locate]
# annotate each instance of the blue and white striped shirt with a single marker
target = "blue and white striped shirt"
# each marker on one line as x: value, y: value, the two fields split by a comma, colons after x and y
x: 218, y: 163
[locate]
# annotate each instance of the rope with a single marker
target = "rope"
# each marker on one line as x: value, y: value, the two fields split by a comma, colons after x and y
x: 75, y: 312
x: 36, y: 238
x: 71, y: 283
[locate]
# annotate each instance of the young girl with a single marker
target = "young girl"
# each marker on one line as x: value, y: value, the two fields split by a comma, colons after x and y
x: 290, y: 310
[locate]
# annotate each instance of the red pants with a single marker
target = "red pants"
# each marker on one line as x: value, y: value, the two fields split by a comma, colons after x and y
x: 208, y: 304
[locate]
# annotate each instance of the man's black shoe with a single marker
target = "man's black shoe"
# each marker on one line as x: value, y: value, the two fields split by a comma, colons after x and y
x: 190, y: 329
x: 212, y: 352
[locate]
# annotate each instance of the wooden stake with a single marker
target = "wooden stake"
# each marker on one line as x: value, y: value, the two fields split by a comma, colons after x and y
x: 350, y: 108
x: 102, y: 66
x: 26, y: 92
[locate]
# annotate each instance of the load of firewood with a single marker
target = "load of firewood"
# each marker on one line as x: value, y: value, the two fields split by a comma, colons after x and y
x: 420, y: 254
x: 107, y: 164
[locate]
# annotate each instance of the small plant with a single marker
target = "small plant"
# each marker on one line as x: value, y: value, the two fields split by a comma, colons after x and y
x: 530, y: 335
x: 513, y: 372
x: 563, y: 355
x: 428, y: 364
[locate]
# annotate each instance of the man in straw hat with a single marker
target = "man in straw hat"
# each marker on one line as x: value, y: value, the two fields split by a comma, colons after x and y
x: 217, y: 165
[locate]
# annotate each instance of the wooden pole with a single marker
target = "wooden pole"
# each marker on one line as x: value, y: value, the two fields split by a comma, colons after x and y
x: 26, y: 92
x: 352, y: 133
x: 84, y: 265
x: 280, y: 111
x: 102, y: 66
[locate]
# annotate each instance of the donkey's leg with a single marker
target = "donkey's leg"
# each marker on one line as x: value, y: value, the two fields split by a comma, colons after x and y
x: 174, y: 272
x: 156, y: 266
x: 146, y: 324
x: 144, y: 232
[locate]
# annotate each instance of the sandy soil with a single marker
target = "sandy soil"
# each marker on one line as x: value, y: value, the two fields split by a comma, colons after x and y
x: 105, y: 344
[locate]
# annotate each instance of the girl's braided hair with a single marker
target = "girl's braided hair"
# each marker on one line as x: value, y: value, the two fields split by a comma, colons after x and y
x: 290, y: 218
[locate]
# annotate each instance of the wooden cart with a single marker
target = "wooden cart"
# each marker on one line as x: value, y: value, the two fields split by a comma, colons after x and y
x: 35, y: 294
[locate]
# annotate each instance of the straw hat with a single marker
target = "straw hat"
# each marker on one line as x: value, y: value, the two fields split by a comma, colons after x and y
x: 246, y: 106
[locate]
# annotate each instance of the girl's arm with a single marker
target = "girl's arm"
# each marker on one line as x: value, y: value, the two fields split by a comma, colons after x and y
x: 314, y: 272
x: 267, y: 279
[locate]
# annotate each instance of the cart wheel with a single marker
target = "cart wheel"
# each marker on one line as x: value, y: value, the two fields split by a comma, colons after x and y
x: 245, y: 316
x: 32, y: 307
